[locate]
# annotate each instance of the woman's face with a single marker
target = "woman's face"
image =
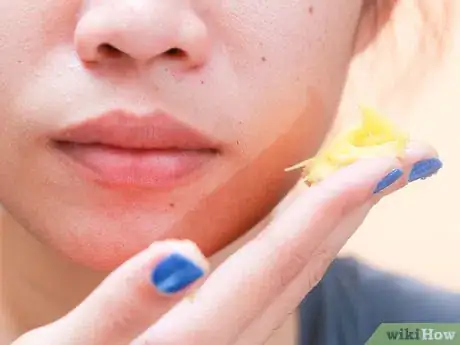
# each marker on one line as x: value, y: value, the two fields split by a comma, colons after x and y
x: 125, y: 122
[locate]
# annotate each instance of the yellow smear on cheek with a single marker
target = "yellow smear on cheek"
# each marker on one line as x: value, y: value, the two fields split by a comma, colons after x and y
x: 375, y: 136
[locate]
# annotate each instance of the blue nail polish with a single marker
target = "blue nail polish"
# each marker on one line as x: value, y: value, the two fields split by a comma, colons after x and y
x: 423, y: 169
x: 388, y: 180
x: 175, y: 273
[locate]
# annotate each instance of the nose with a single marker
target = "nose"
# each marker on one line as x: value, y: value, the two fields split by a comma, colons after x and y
x: 141, y: 30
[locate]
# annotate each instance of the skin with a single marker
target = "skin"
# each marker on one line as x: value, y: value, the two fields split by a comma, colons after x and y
x: 284, y: 74
x: 248, y: 66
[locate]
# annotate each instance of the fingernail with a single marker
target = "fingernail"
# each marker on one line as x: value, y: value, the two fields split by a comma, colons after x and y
x: 388, y: 180
x: 423, y: 169
x: 175, y: 273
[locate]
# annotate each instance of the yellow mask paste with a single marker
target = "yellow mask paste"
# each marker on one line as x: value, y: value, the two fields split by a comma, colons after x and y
x: 375, y: 136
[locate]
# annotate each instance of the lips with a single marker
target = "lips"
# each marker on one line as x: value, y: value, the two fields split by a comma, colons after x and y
x: 120, y: 148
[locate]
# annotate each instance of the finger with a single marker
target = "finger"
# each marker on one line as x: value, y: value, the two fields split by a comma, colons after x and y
x: 133, y: 297
x: 260, y: 330
x: 244, y: 285
x: 417, y: 154
x: 273, y: 317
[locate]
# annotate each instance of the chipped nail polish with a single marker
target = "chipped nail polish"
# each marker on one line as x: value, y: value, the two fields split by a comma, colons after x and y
x: 425, y: 168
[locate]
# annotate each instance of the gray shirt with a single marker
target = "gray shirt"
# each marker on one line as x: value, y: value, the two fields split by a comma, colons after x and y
x: 353, y: 299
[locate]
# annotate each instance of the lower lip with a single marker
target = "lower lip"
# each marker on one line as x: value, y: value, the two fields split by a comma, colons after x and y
x: 142, y: 168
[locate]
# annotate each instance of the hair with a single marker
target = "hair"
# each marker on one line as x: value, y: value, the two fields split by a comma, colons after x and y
x: 411, y: 36
x: 433, y: 18
x: 398, y: 46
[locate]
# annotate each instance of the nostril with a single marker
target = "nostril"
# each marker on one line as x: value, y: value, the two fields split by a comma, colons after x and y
x: 176, y: 53
x: 109, y: 51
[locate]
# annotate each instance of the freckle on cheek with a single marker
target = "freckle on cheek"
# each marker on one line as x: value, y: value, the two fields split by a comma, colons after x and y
x: 311, y: 9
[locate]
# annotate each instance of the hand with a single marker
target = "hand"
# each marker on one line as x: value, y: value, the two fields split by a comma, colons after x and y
x: 249, y: 294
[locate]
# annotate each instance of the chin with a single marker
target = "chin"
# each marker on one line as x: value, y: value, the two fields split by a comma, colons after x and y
x: 101, y: 233
x: 101, y: 241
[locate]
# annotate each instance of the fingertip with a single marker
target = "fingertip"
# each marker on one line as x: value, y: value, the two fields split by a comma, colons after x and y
x: 138, y: 293
x: 421, y: 160
x: 178, y: 268
x: 389, y: 180
x: 416, y: 148
x: 175, y: 273
x: 424, y: 169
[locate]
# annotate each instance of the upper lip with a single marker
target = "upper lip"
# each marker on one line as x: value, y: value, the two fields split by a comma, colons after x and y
x: 125, y: 130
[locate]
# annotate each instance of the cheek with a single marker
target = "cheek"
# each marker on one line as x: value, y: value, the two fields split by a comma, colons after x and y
x: 293, y: 73
x: 288, y: 137
x: 34, y: 28
x: 289, y: 65
x: 252, y: 191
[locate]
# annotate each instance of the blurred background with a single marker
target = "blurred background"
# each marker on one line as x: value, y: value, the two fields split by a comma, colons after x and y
x: 416, y: 232
x: 413, y: 78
